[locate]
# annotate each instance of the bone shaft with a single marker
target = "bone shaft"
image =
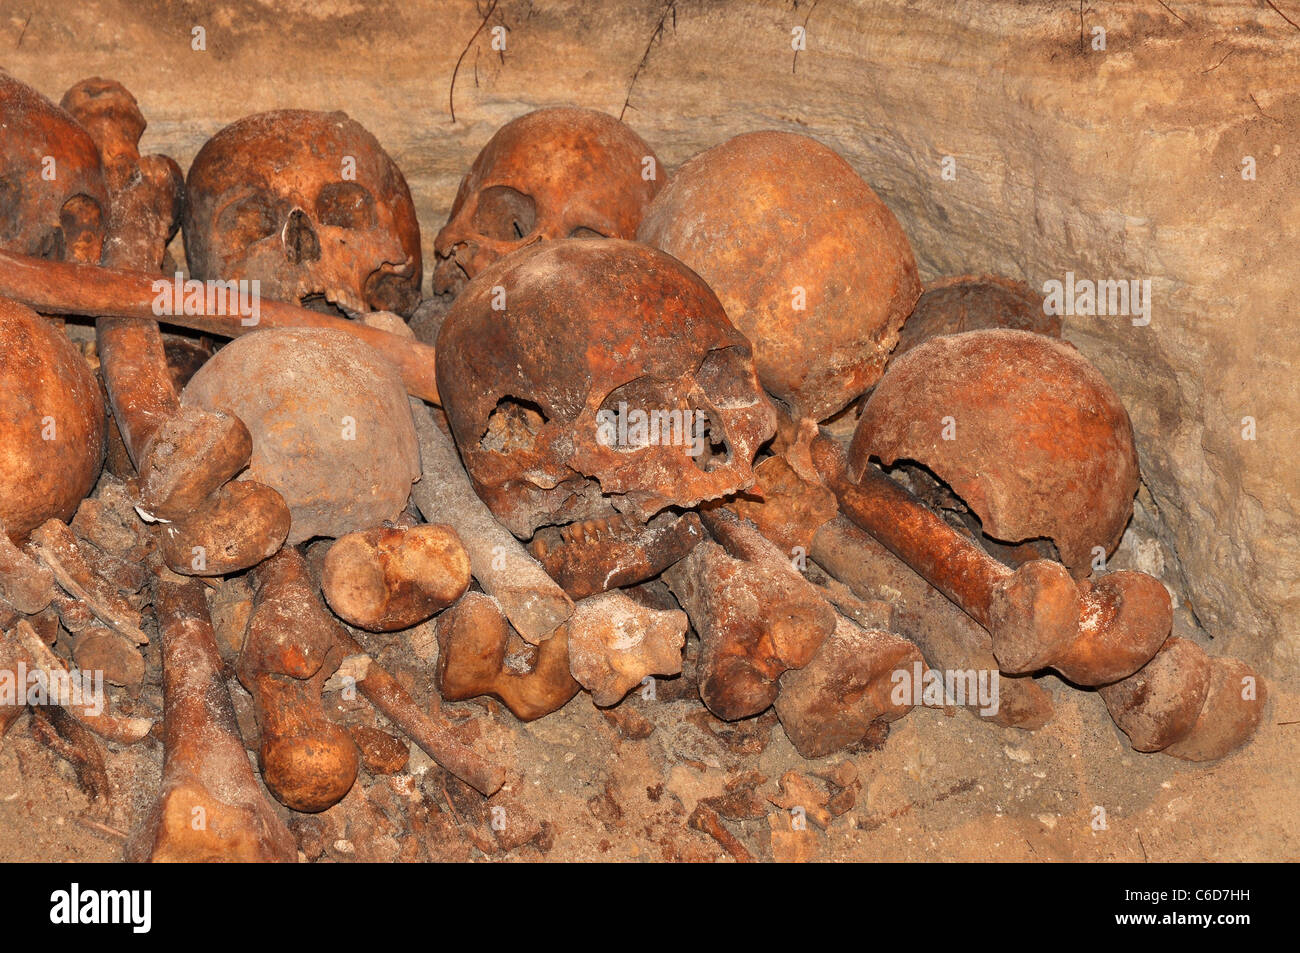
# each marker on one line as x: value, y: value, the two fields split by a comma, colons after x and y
x: 949, y: 639
x: 532, y: 601
x: 65, y: 288
x: 949, y: 561
x: 433, y: 736
x: 205, y: 766
x: 742, y: 540
x: 194, y: 693
x: 135, y: 374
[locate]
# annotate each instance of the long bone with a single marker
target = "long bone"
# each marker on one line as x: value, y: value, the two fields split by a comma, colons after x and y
x: 433, y: 734
x: 1093, y: 634
x: 183, y: 457
x: 62, y: 288
x: 800, y: 515
x: 533, y: 602
x: 308, y: 761
x: 209, y: 805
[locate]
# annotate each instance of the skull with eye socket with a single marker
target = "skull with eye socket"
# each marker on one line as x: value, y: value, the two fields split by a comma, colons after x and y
x: 309, y: 204
x: 53, y: 201
x: 561, y: 172
x: 598, y: 380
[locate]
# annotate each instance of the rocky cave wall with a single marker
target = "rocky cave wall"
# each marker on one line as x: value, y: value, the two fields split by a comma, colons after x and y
x: 1123, y: 163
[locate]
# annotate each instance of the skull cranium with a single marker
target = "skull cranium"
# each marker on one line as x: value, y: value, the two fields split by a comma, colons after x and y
x: 554, y: 173
x: 553, y: 396
x: 53, y: 201
x: 309, y: 204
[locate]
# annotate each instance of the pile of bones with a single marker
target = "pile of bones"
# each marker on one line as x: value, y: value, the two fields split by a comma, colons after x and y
x: 703, y: 428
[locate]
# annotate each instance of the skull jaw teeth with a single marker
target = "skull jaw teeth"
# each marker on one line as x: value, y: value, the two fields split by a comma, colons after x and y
x: 596, y: 555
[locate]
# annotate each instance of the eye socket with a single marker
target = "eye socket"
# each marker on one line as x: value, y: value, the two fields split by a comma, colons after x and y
x: 345, y: 205
x: 81, y: 220
x: 247, y: 221
x: 504, y: 214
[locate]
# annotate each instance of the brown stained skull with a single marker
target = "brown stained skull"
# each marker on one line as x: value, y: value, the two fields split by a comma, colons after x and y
x: 808, y: 261
x: 1021, y: 427
x: 554, y: 173
x: 53, y: 201
x: 585, y: 334
x: 309, y: 204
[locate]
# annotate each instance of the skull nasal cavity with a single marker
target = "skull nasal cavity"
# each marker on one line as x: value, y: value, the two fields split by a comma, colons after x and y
x: 300, y: 242
x: 513, y: 425
x: 504, y: 214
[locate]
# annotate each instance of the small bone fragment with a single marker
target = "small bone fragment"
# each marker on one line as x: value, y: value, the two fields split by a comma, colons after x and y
x: 474, y: 638
x: 210, y: 806
x: 70, y: 740
x: 532, y: 601
x: 797, y: 791
x: 791, y: 507
x: 611, y: 554
x: 24, y: 583
x: 431, y: 734
x: 54, y: 546
x: 705, y: 819
x: 380, y: 752
x: 99, y: 649
x: 830, y: 703
x: 615, y: 643
x: 384, y: 580
x: 92, y: 714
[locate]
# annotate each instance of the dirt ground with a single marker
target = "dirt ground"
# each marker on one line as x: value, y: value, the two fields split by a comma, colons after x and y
x: 636, y: 782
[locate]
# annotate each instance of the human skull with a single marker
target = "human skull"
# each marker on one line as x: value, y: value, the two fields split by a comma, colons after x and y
x: 309, y: 204
x: 331, y: 425
x: 1040, y: 445
x: 52, y: 422
x: 808, y: 261
x: 554, y: 173
x: 547, y: 350
x: 53, y: 202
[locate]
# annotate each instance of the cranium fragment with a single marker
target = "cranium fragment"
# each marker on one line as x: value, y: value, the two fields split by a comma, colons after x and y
x: 52, y: 422
x: 1022, y: 428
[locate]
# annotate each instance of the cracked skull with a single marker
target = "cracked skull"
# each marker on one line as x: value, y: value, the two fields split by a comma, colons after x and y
x: 585, y: 378
x: 53, y: 202
x: 309, y: 204
x: 553, y: 173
